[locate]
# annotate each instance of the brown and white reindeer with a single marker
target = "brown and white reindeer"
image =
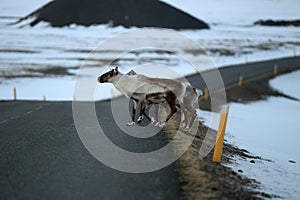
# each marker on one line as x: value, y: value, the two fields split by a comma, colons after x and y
x: 149, y: 90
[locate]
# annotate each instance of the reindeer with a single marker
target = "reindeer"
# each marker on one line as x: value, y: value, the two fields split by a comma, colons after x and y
x: 142, y: 99
x: 155, y: 90
x: 147, y: 94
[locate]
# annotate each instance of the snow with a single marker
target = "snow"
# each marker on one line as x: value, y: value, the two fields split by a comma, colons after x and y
x: 288, y: 84
x: 268, y: 129
x: 24, y: 48
x: 267, y: 125
x: 37, y: 88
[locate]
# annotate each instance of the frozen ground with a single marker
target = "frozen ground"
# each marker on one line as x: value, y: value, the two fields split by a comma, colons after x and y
x: 288, y: 84
x: 43, y: 56
x: 269, y: 129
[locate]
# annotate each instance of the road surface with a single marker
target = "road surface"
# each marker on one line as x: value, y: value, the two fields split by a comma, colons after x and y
x: 42, y: 156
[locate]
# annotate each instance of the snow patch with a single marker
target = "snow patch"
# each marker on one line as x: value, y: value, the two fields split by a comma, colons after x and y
x: 268, y: 129
x: 288, y: 84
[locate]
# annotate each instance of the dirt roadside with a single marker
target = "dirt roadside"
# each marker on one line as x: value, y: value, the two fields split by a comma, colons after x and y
x: 204, y: 179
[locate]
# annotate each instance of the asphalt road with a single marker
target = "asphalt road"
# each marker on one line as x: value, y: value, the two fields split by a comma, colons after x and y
x: 42, y: 156
x: 231, y: 74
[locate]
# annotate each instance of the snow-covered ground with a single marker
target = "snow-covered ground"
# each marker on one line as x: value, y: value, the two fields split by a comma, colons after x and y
x: 269, y: 129
x: 288, y: 84
x: 27, y: 54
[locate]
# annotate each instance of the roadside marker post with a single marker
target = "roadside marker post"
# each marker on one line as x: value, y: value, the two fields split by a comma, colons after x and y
x: 240, y: 83
x: 206, y: 94
x: 295, y: 53
x: 221, y: 133
x: 275, y: 72
x: 15, y: 94
x: 44, y: 98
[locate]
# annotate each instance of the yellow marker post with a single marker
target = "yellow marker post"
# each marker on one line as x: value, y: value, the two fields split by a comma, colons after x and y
x: 206, y: 94
x: 275, y: 72
x: 221, y: 133
x: 240, y: 83
x: 15, y: 94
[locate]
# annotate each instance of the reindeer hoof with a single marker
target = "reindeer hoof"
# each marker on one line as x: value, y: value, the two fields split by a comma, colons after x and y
x: 130, y: 124
x: 161, y: 125
x: 139, y: 120
x: 182, y: 125
x: 184, y: 128
x: 155, y: 123
x: 187, y: 129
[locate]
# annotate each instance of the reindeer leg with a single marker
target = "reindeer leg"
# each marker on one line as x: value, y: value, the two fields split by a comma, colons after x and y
x: 173, y: 111
x: 193, y: 117
x: 154, y: 119
x: 150, y: 102
x: 142, y: 106
x: 171, y: 100
x: 184, y: 117
x: 190, y: 112
x: 135, y: 102
x: 143, y: 110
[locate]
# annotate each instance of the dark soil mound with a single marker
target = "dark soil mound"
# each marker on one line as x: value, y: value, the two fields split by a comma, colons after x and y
x: 277, y: 23
x: 128, y: 13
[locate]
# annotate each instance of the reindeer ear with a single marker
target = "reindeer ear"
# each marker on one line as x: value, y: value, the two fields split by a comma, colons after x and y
x: 116, y: 70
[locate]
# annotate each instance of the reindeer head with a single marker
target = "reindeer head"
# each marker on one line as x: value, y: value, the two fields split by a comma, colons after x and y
x: 108, y: 76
